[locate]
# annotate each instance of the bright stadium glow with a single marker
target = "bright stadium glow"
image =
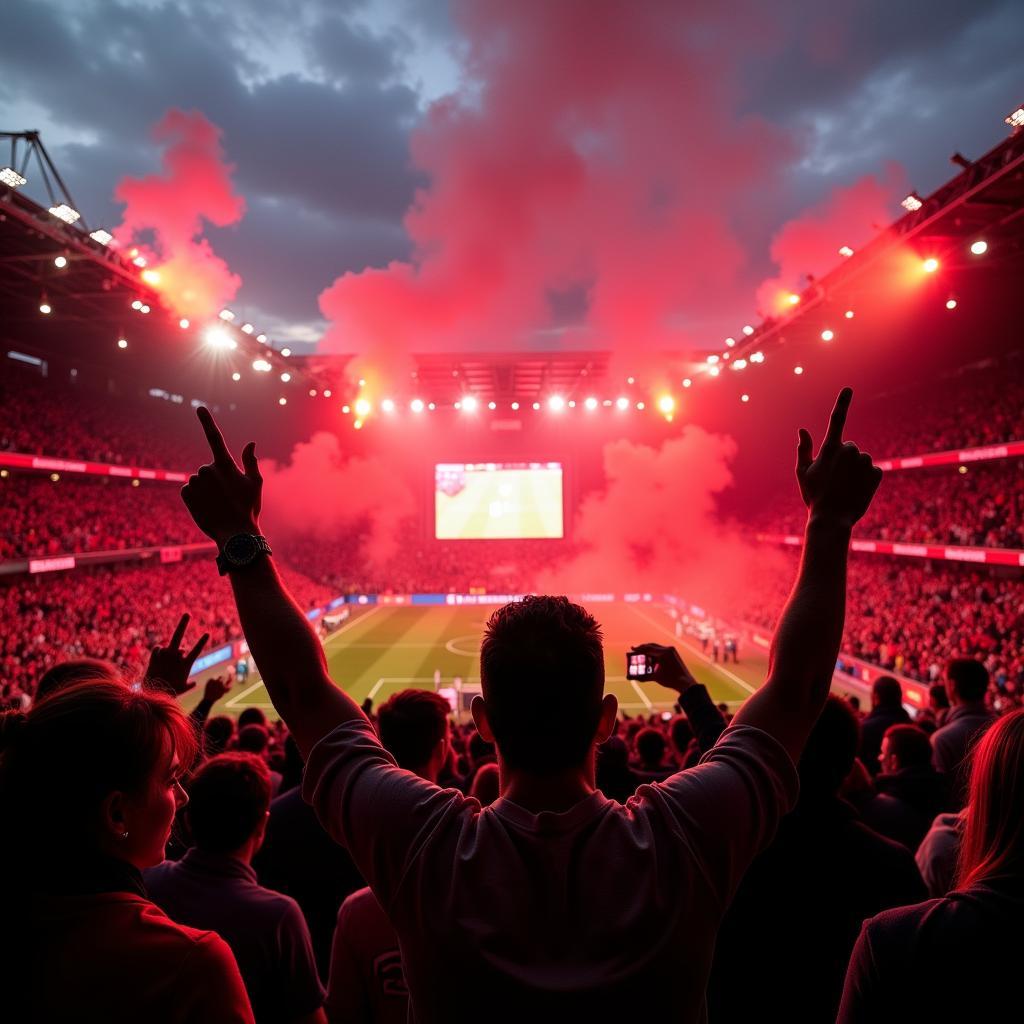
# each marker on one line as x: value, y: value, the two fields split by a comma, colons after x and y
x: 827, y: 335
x: 387, y: 405
x: 137, y: 304
x: 261, y: 366
x: 572, y: 403
x: 45, y: 308
x: 757, y: 357
x: 515, y: 406
x: 792, y: 298
x: 312, y: 392
x: 431, y: 406
x: 417, y: 405
x: 282, y: 400
x: 261, y: 338
x: 11, y: 178
x: 102, y: 236
x: 930, y: 265
x: 556, y: 403
x: 492, y: 405
x: 60, y: 262
x: 622, y: 403
x: 912, y: 203
x: 286, y: 352
x: 641, y: 406
x: 236, y: 376
x: 666, y: 404
x: 362, y: 407
x: 687, y: 383
x: 217, y: 338
x: 744, y: 398
x: 469, y: 404
x: 65, y: 213
x: 950, y: 303
x: 327, y: 392
x: 748, y: 330
x: 848, y: 314
x: 139, y: 261
x: 285, y: 377
x: 714, y: 371
x: 346, y: 409
x: 740, y: 364
x: 183, y: 323
x: 246, y: 328
x: 536, y: 406
x: 590, y: 403
x: 798, y: 370
x: 980, y: 247
x: 711, y: 360
x: 226, y: 314
x: 151, y: 276
x: 845, y: 250
x: 1015, y: 119
x: 630, y: 380
x: 122, y: 342
x: 144, y: 308
x: 730, y: 342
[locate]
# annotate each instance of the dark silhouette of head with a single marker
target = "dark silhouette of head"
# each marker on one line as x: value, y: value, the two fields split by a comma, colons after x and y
x: 907, y: 745
x: 228, y: 801
x: 413, y: 725
x: 218, y: 732
x: 543, y: 652
x: 252, y: 716
x: 650, y: 747
x: 79, y: 670
x: 252, y: 739
x: 830, y: 751
x: 886, y: 692
x: 966, y: 680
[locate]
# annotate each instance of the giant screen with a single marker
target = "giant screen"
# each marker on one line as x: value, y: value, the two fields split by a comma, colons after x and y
x: 497, y: 500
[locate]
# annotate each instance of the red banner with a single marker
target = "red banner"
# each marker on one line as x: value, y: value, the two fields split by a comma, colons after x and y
x: 945, y: 552
x: 51, y: 564
x: 51, y: 464
x: 954, y: 457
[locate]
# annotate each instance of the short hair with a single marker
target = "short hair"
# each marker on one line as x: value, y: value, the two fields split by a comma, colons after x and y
x: 217, y: 734
x: 252, y: 716
x: 650, y: 746
x: 78, y: 670
x: 937, y: 694
x: 831, y: 749
x: 969, y: 678
x: 228, y: 800
x: 253, y: 739
x: 888, y: 692
x: 681, y: 733
x: 61, y: 759
x: 542, y: 651
x: 910, y: 744
x: 411, y: 725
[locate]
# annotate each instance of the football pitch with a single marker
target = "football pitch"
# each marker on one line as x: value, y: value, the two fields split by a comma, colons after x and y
x: 383, y: 649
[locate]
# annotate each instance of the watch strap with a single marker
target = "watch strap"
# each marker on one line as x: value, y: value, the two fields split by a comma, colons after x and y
x: 262, y: 545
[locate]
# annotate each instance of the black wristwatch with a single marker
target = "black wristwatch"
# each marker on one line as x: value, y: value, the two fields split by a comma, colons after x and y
x: 241, y: 551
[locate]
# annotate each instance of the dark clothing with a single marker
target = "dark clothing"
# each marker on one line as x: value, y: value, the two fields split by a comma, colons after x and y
x: 299, y: 859
x: 615, y: 781
x: 785, y: 942
x: 906, y: 804
x: 707, y: 722
x: 872, y: 729
x: 949, y: 959
x: 952, y: 742
x: 265, y: 930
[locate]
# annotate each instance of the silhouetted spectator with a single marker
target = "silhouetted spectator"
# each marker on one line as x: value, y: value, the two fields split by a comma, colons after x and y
x: 968, y: 718
x: 939, y: 851
x: 886, y: 710
x: 613, y: 776
x: 650, y: 749
x: 785, y: 942
x: 214, y: 886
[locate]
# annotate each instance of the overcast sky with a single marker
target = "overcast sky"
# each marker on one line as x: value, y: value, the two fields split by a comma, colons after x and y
x: 317, y: 100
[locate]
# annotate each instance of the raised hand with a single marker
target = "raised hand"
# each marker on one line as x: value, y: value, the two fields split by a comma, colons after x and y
x: 839, y: 484
x: 216, y: 687
x: 169, y: 666
x: 221, y: 497
x: 669, y: 669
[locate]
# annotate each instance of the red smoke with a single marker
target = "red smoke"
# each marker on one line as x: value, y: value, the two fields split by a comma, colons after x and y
x: 320, y: 492
x: 655, y: 527
x: 601, y: 151
x: 194, y: 186
x: 810, y: 243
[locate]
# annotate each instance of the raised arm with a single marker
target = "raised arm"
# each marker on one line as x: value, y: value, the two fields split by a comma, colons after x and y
x: 225, y: 499
x: 837, y: 488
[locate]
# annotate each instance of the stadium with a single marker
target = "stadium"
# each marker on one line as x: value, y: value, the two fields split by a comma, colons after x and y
x: 490, y: 415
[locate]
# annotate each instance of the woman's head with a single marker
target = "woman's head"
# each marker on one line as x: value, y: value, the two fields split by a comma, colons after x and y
x: 993, y: 842
x: 94, y: 768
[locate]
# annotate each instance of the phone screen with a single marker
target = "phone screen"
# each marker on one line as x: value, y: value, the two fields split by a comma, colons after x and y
x: 638, y: 666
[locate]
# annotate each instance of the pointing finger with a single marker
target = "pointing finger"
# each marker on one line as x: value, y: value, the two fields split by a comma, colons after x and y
x: 249, y: 462
x: 179, y: 632
x: 221, y: 455
x: 804, y: 451
x: 837, y: 421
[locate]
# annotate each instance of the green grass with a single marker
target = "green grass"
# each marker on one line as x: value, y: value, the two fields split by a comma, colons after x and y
x: 383, y: 649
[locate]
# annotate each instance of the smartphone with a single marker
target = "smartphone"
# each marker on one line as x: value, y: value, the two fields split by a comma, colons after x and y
x: 639, y: 666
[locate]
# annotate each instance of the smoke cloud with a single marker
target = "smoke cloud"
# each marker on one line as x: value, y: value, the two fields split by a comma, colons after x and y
x: 165, y: 214
x: 809, y: 244
x: 598, y: 161
x: 655, y: 526
x: 323, y: 493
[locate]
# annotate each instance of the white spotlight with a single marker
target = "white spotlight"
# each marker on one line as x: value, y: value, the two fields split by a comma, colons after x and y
x: 591, y: 403
x: 556, y: 403
x: 11, y: 178
x: 387, y: 405
x: 65, y: 213
x: 980, y: 247
x: 748, y: 330
x: 101, y: 236
x: 60, y: 262
x: 183, y: 323
x: 622, y: 403
x: 416, y: 405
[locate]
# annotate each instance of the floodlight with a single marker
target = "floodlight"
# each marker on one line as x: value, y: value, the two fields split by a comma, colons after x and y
x: 151, y: 277
x: 226, y: 314
x: 387, y: 405
x: 798, y: 370
x: 261, y: 366
x: 139, y: 261
x: 980, y: 247
x: 285, y: 377
x: 536, y: 406
x: 848, y: 314
x: 748, y: 330
x: 740, y: 364
x: 950, y: 303
x: 327, y: 392
x: 101, y: 236
x: 363, y: 407
x: 640, y: 406
x: 469, y: 404
x: 591, y: 403
x: 217, y: 338
x: 137, y: 304
x: 730, y: 342
x: 687, y: 382
x: 45, y: 308
x: 183, y: 323
x: 261, y: 338
x: 912, y: 203
x: 622, y: 403
x: 65, y: 213
x: 144, y: 308
x: 60, y: 262
x: 492, y: 405
x: 792, y: 298
x: 714, y: 371
x: 416, y: 405
x: 930, y: 265
x: 282, y: 400
x: 845, y: 250
x: 515, y: 406
x: 556, y: 403
x: 1015, y: 119
x: 11, y: 178
x: 122, y: 343
x: 248, y: 328
x: 666, y: 404
x: 236, y: 376
x: 744, y: 398
x: 711, y: 360
x: 827, y: 335
x: 286, y: 352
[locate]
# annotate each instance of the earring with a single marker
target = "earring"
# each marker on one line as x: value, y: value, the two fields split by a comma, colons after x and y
x: 123, y: 835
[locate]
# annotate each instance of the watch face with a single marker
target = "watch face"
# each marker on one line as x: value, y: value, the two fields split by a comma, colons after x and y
x: 240, y: 549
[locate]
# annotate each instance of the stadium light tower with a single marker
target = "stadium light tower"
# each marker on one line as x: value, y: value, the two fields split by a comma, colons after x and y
x: 556, y: 403
x: 469, y: 404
